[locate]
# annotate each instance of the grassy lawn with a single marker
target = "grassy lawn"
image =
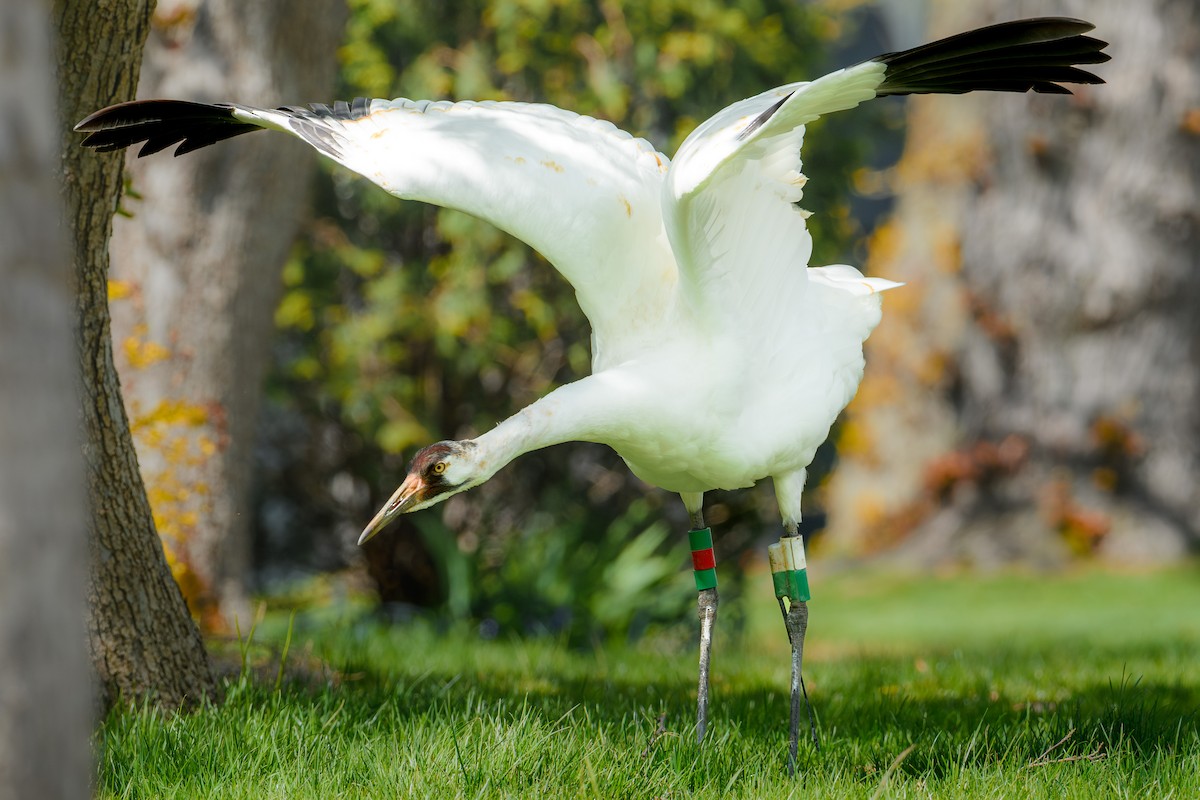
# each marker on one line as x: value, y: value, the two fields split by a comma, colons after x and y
x: 1086, y: 685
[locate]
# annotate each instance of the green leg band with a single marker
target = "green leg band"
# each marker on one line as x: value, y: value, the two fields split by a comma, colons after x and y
x: 789, y: 569
x: 700, y: 539
x: 792, y: 584
x: 704, y: 563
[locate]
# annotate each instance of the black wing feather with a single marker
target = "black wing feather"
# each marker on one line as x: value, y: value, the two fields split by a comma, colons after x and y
x: 162, y: 123
x: 1029, y: 54
x: 1037, y: 54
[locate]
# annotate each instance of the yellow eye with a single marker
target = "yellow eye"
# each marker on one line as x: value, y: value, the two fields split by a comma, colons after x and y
x: 439, y: 468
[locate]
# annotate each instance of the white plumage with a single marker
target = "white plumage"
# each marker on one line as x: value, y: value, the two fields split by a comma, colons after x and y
x: 719, y: 358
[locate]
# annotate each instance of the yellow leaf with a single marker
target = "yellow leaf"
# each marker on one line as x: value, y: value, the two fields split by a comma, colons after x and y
x: 169, y: 413
x: 143, y: 354
x: 119, y: 290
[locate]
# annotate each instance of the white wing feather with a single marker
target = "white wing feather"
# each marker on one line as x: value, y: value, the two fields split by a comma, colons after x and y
x: 730, y: 195
x: 580, y: 191
x: 849, y: 279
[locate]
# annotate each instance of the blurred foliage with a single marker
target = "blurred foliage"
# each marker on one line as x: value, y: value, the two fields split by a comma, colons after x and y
x: 403, y: 324
x: 172, y: 430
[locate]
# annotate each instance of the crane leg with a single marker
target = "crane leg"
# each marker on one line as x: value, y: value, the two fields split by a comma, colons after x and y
x: 707, y: 607
x: 707, y: 599
x: 789, y: 571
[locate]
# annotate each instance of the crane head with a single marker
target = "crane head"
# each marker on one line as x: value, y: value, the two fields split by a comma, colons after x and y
x: 436, y: 472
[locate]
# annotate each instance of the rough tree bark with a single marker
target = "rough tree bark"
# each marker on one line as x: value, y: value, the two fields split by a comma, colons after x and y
x: 44, y: 699
x: 143, y: 642
x: 1064, y: 340
x: 201, y: 259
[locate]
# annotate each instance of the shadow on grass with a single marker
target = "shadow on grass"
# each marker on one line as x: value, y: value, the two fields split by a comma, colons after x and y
x: 961, y: 709
x: 966, y: 730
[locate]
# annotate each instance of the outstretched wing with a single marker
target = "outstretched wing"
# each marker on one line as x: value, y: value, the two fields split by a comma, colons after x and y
x: 583, y: 193
x: 731, y: 194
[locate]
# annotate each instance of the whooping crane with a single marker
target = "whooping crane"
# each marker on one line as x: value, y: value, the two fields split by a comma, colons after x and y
x: 719, y: 357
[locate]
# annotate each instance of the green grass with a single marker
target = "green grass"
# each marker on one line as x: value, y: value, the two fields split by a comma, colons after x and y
x: 963, y: 686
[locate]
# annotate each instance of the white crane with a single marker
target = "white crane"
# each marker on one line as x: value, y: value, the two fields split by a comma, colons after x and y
x: 719, y: 357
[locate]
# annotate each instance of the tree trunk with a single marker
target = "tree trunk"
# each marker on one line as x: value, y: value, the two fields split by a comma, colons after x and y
x: 1068, y: 416
x: 200, y: 260
x: 44, y: 698
x: 143, y: 642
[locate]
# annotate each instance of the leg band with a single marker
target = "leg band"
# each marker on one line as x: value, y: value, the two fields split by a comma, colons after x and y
x: 789, y: 569
x: 703, y: 562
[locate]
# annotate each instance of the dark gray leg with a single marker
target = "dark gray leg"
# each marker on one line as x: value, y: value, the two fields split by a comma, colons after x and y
x: 789, y: 570
x: 706, y: 606
x: 796, y: 621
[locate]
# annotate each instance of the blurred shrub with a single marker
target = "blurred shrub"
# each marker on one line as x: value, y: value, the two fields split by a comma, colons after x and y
x: 403, y: 324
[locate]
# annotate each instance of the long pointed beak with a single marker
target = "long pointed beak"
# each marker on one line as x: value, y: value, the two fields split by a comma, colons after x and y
x: 405, y: 498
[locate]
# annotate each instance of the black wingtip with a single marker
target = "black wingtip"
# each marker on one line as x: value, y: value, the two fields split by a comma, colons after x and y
x: 1025, y: 55
x: 163, y: 123
x: 160, y: 124
x: 87, y: 123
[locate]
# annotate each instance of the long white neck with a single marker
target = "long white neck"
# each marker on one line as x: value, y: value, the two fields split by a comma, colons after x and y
x: 577, y: 412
